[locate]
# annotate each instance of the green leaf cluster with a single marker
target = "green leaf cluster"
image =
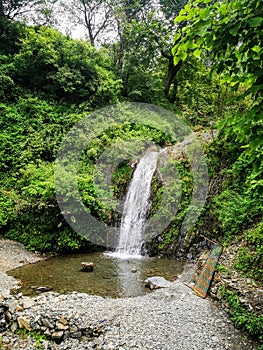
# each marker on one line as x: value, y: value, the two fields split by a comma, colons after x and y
x: 231, y: 33
x: 250, y: 257
x: 64, y: 68
x: 242, y: 318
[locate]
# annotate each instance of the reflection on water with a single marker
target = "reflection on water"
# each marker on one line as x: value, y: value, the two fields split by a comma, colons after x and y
x: 112, y: 277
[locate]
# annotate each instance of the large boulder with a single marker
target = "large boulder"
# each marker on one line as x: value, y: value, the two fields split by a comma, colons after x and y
x: 157, y: 282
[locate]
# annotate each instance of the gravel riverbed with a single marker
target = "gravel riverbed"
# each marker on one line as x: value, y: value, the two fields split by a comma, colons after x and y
x: 170, y: 318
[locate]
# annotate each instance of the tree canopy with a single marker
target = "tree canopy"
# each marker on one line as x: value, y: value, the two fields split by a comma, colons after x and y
x: 230, y: 34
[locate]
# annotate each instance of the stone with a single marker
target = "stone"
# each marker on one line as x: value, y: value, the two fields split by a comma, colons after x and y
x: 63, y: 320
x: 12, y: 306
x: 87, y: 266
x: 8, y: 316
x: 44, y: 289
x: 66, y: 335
x: 37, y: 319
x: 35, y: 326
x: 76, y: 335
x: 60, y: 326
x: 134, y: 270
x: 5, y: 340
x: 14, y: 327
x: 214, y: 290
x: 57, y: 336
x: 157, y: 282
x: 19, y: 308
x: 47, y: 333
x: 23, y: 322
x: 28, y: 302
x: 73, y: 329
x: 47, y: 323
x: 2, y: 323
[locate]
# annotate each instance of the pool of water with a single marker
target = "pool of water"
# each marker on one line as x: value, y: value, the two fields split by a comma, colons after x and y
x: 111, y: 277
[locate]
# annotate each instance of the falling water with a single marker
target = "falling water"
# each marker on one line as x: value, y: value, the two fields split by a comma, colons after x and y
x: 136, y: 206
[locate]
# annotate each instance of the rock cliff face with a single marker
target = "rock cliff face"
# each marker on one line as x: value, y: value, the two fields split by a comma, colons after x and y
x: 182, y: 176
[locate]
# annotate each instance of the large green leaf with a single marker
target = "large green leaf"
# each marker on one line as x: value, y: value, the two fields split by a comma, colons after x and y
x: 255, y: 21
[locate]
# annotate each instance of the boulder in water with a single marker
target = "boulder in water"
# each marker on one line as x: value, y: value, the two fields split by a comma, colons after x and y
x: 157, y: 282
x: 87, y: 266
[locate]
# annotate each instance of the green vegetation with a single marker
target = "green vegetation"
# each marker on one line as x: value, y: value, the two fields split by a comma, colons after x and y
x: 250, y: 257
x: 202, y: 61
x: 229, y: 35
x: 223, y: 270
x: 242, y: 318
x: 185, y: 185
x: 38, y: 336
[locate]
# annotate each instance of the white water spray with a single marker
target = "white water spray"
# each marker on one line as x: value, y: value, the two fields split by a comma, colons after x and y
x: 136, y: 206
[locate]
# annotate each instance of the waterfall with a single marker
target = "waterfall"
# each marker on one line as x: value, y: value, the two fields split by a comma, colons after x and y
x: 135, y: 208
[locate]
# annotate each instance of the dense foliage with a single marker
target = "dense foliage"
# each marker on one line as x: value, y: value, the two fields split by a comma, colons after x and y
x: 243, y: 319
x: 232, y: 34
x: 228, y: 34
x: 47, y: 82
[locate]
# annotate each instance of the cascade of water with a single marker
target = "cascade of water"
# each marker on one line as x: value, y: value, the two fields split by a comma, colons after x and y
x: 136, y: 206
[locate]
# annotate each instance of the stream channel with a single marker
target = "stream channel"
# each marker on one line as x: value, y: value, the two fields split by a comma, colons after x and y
x: 111, y: 277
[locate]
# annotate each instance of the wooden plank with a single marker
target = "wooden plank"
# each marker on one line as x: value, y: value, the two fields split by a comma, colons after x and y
x: 204, y: 278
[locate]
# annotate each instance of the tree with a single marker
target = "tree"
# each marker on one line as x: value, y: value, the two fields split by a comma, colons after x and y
x: 144, y: 30
x: 93, y: 16
x: 40, y: 12
x: 136, y: 30
x: 170, y: 10
x: 64, y: 68
x: 232, y: 31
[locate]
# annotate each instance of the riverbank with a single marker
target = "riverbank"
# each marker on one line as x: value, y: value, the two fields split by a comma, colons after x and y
x: 169, y: 319
x: 13, y: 254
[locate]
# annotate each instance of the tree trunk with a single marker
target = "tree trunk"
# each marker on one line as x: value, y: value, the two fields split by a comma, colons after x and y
x: 121, y: 52
x: 88, y: 24
x: 171, y: 77
x: 171, y: 80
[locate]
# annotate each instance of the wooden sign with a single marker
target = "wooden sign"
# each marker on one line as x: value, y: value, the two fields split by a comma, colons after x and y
x: 204, y: 278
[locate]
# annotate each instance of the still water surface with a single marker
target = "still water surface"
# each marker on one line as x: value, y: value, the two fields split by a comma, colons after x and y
x: 112, y: 277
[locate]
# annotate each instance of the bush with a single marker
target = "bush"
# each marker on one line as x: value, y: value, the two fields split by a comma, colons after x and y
x: 250, y: 258
x: 243, y: 319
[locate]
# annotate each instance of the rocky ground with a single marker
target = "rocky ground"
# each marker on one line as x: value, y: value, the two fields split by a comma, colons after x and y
x: 170, y: 318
